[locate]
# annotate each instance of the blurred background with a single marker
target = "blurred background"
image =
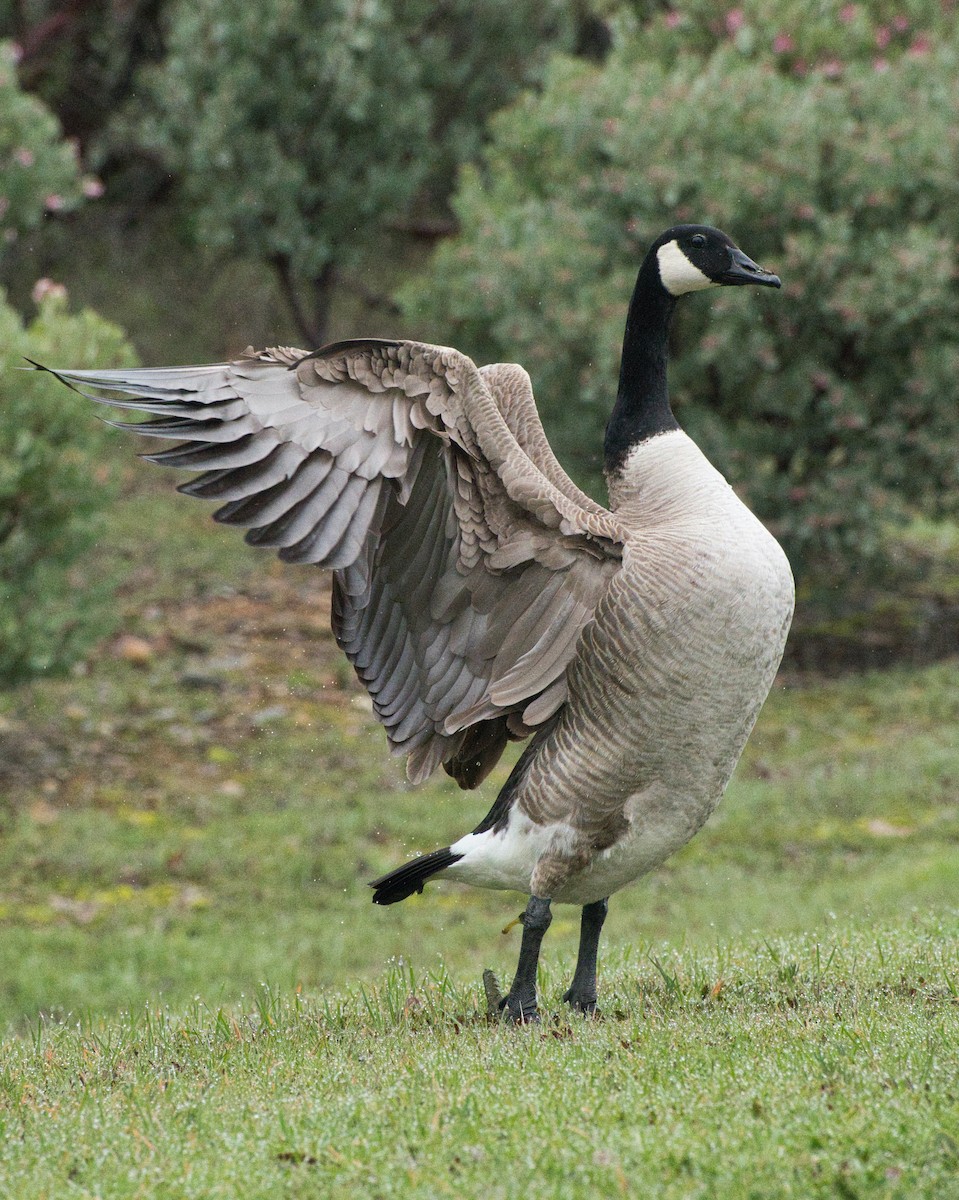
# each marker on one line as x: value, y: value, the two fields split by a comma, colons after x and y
x: 192, y: 789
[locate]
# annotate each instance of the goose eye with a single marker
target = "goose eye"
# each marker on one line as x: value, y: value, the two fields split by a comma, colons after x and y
x: 698, y: 241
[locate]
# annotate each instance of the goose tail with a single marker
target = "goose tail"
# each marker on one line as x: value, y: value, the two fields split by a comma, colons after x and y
x: 410, y: 878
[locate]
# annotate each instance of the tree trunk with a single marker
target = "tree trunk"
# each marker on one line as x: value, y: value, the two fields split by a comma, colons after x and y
x: 310, y: 301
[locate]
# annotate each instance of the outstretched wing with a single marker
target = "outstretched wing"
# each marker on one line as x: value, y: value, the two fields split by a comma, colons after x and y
x: 466, y: 563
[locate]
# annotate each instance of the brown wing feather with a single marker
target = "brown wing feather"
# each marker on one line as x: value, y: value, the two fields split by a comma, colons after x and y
x: 466, y: 562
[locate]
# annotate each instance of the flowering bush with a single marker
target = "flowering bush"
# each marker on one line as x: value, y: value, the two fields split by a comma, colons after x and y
x: 39, y: 172
x: 832, y: 406
x: 55, y: 479
x: 800, y: 38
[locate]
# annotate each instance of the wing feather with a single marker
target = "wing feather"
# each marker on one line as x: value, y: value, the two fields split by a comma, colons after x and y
x: 466, y: 562
x: 304, y: 516
x: 363, y: 524
x: 319, y: 536
x: 380, y: 635
x: 240, y: 483
x: 268, y: 504
x: 252, y: 448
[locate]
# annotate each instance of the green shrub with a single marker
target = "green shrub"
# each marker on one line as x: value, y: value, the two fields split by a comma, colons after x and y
x: 39, y: 172
x: 797, y: 36
x: 54, y: 472
x: 301, y: 131
x: 832, y: 406
x: 55, y: 478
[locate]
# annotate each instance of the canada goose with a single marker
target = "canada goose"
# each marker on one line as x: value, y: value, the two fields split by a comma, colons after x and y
x: 482, y: 597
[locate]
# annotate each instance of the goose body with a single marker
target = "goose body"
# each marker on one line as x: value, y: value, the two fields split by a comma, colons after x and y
x: 482, y: 597
x: 664, y: 689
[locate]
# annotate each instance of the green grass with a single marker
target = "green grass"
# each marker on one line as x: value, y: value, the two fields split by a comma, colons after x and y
x: 201, y: 1000
x: 802, y: 1067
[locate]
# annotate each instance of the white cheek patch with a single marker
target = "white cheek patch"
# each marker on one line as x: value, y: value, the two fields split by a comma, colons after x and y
x: 678, y: 274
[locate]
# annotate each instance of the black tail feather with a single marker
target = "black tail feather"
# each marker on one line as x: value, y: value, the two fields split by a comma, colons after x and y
x: 411, y: 877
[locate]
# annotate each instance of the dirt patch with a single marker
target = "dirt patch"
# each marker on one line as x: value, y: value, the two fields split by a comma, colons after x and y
x: 179, y: 683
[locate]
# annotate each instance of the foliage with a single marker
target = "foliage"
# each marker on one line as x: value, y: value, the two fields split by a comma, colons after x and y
x: 54, y: 480
x: 299, y: 131
x: 832, y: 406
x: 795, y: 36
x: 80, y: 59
x: 39, y: 173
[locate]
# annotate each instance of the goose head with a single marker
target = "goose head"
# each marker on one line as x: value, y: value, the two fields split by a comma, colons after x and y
x: 683, y: 259
x: 690, y: 258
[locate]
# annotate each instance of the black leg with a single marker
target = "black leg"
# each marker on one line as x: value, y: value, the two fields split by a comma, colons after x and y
x: 520, y: 1004
x: 582, y: 992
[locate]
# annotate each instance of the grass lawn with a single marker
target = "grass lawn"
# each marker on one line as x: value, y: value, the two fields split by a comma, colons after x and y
x: 200, y: 999
x: 805, y: 1067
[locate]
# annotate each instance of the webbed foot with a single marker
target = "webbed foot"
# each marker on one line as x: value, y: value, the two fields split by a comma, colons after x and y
x: 582, y: 1002
x: 519, y: 1009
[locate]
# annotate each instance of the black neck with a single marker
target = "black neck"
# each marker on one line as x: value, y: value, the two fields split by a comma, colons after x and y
x: 642, y: 401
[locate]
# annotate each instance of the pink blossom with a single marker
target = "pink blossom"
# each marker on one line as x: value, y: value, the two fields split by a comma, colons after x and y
x: 24, y: 156
x: 47, y: 289
x: 832, y: 68
x: 880, y: 65
x: 53, y: 202
x: 900, y: 24
x: 92, y: 187
x: 673, y: 19
x: 921, y: 44
x: 735, y: 20
x: 883, y: 36
x: 848, y: 13
x: 783, y: 43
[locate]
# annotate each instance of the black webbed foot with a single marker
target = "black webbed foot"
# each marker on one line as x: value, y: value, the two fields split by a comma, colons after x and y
x: 582, y: 1002
x: 519, y: 1010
